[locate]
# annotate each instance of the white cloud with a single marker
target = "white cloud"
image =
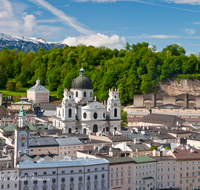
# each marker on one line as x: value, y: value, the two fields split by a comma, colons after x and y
x: 189, y: 31
x: 29, y: 24
x: 96, y: 40
x: 38, y: 13
x: 60, y: 14
x: 196, y: 22
x: 191, y: 2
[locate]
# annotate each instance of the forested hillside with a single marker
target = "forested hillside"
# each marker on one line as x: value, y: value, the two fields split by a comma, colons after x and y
x: 134, y: 70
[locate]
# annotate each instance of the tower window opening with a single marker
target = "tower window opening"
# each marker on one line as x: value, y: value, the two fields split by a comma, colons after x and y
x: 70, y: 113
x: 76, y: 93
x: 115, y: 112
x: 84, y: 94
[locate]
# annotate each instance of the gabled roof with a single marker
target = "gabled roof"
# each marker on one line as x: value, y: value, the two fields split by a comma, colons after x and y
x: 140, y: 147
x: 38, y: 87
x: 42, y: 141
x: 68, y: 141
x: 165, y: 119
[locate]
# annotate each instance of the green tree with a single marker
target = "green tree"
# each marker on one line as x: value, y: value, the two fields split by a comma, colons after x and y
x: 18, y: 86
x: 123, y: 118
x: 153, y: 148
x: 9, y: 86
x: 3, y: 78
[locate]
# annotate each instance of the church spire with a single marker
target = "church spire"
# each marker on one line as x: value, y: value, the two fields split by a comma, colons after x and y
x: 21, y: 112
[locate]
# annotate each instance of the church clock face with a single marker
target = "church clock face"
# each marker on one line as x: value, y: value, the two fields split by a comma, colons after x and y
x: 70, y: 105
x: 115, y: 104
x: 23, y: 138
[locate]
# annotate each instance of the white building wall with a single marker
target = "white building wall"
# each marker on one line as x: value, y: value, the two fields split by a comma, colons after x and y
x: 66, y: 173
x: 9, y: 179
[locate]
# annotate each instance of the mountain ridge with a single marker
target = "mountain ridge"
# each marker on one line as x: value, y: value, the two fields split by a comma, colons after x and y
x: 26, y: 44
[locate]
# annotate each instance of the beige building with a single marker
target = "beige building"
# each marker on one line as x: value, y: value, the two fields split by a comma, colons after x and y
x: 121, y: 173
x: 155, y: 99
x: 17, y: 105
x: 38, y: 93
x: 43, y: 145
x: 188, y: 165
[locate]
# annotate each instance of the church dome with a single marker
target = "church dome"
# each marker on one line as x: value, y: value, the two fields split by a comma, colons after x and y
x: 82, y: 82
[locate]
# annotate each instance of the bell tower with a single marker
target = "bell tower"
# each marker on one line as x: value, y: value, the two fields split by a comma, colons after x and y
x: 68, y: 106
x: 21, y: 136
x: 114, y: 105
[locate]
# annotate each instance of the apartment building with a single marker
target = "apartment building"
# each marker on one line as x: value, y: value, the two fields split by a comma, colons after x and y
x: 166, y: 172
x: 121, y: 173
x: 145, y: 173
x: 188, y: 167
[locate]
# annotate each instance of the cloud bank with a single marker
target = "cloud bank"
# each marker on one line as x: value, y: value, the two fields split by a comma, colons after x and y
x: 96, y: 40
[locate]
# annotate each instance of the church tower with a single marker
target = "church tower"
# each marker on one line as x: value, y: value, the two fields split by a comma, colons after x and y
x: 68, y: 106
x: 21, y: 136
x: 114, y: 105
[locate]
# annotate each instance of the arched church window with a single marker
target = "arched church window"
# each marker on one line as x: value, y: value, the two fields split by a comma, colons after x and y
x: 70, y: 130
x: 84, y: 94
x: 104, y: 115
x: 95, y: 115
x: 70, y: 113
x: 90, y: 94
x: 115, y: 112
x: 95, y: 129
x: 84, y: 131
x: 76, y: 93
x: 84, y: 115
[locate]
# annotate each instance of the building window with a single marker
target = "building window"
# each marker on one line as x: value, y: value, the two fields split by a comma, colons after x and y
x: 71, y: 179
x: 95, y: 115
x: 35, y: 182
x: 53, y: 180
x: 70, y: 113
x: 80, y: 178
x: 63, y: 180
x: 84, y: 115
x: 76, y: 94
x: 26, y: 182
x: 115, y: 112
x: 84, y: 94
x: 95, y: 177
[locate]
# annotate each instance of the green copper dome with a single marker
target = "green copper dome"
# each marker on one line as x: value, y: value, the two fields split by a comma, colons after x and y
x: 22, y: 113
x: 82, y: 82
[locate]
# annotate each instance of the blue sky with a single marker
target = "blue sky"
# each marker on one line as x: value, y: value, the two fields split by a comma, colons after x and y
x: 109, y: 23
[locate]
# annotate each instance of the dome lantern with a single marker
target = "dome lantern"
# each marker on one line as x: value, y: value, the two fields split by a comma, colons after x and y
x: 82, y: 72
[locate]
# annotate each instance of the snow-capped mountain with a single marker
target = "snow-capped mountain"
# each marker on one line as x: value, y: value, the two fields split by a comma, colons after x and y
x: 26, y: 44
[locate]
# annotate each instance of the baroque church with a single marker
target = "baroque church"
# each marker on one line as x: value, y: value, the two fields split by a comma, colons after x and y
x: 79, y: 112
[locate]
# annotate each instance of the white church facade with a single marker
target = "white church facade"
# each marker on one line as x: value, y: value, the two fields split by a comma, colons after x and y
x: 80, y: 112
